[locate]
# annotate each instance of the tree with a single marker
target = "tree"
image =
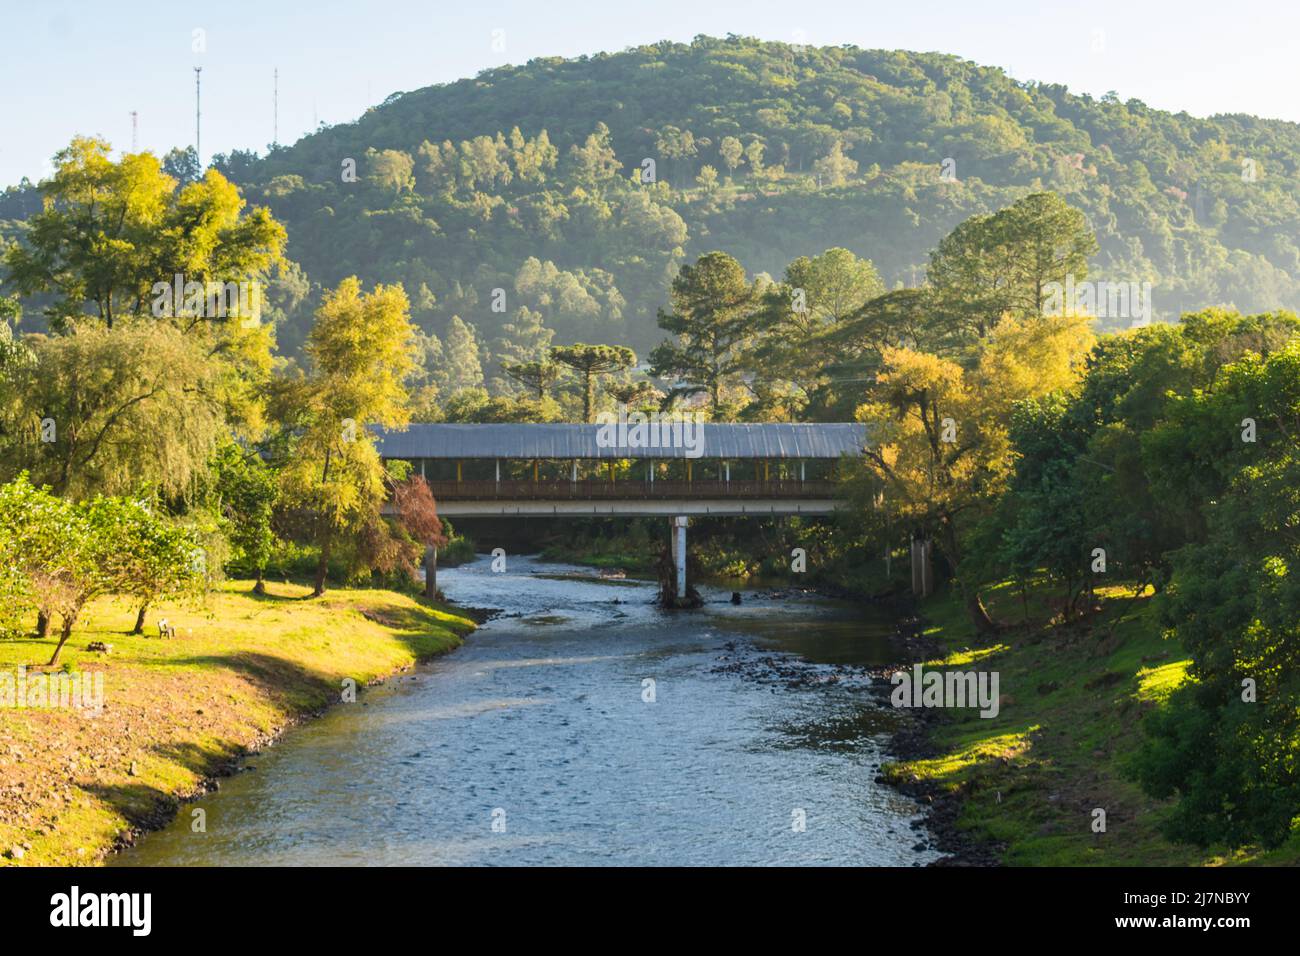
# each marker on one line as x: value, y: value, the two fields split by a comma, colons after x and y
x: 940, y: 449
x: 415, y: 509
x: 361, y: 353
x: 153, y: 558
x: 1225, y: 744
x: 711, y: 324
x: 708, y: 178
x: 834, y: 169
x: 634, y: 394
x: 110, y: 231
x: 128, y: 410
x: 463, y: 368
x: 390, y: 170
x: 183, y: 165
x: 594, y: 163
x: 537, y: 377
x: 1001, y: 264
x: 731, y: 152
x: 246, y: 492
x: 62, y: 552
x: 590, y: 362
x: 798, y: 317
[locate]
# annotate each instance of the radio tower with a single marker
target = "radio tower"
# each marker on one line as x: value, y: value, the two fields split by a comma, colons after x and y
x: 135, y: 131
x: 275, y: 99
x: 198, y: 149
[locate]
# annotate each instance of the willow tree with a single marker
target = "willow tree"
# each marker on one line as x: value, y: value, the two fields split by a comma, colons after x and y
x: 360, y: 351
x: 135, y: 409
x: 591, y: 362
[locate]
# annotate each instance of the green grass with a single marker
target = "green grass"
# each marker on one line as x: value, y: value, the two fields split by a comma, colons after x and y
x: 240, y: 669
x: 1070, y: 722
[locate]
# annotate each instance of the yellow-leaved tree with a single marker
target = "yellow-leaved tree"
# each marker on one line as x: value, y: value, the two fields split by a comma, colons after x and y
x: 939, y: 451
x: 361, y: 351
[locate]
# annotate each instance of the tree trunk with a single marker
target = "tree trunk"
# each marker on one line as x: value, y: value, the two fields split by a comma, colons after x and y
x: 139, y: 618
x: 64, y: 634
x: 322, y: 567
x: 42, y: 624
x: 260, y: 586
x: 979, y: 614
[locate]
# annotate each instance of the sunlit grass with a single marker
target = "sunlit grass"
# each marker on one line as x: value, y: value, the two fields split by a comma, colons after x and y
x: 1070, y: 722
x: 241, y: 667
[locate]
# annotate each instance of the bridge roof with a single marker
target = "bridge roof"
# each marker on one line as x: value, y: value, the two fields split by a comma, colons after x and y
x: 562, y: 441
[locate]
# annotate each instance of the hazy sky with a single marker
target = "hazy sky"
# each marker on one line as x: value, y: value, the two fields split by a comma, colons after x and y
x: 82, y: 67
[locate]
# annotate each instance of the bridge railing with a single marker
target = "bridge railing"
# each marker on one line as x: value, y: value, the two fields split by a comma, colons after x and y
x: 628, y: 489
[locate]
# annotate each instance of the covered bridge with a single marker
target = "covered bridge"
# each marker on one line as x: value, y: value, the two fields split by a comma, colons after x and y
x: 484, y: 469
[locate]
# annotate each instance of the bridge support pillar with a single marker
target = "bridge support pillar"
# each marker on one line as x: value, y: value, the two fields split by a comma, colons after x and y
x: 922, y: 568
x: 679, y: 553
x: 431, y: 573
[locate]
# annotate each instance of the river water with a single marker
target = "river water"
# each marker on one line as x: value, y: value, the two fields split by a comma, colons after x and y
x: 585, y: 726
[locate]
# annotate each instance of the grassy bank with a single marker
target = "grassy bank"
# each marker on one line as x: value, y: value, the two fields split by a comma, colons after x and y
x: 240, y: 669
x: 1074, y: 699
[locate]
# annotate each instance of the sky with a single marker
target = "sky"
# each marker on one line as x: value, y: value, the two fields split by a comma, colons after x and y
x: 69, y: 68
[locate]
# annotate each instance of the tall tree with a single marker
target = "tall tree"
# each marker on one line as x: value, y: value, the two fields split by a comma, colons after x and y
x: 1000, y: 264
x: 591, y: 362
x: 111, y: 230
x: 711, y: 323
x: 361, y: 353
x: 132, y: 410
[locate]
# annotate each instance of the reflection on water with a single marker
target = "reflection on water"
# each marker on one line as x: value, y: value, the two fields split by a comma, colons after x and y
x: 584, y: 727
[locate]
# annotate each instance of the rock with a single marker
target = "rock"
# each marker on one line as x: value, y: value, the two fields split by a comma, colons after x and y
x: 16, y: 853
x: 133, y: 771
x: 100, y: 647
x: 735, y: 597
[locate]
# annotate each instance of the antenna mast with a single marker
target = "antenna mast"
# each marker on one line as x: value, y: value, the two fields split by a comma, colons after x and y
x: 198, y: 149
x: 275, y: 124
x: 135, y: 132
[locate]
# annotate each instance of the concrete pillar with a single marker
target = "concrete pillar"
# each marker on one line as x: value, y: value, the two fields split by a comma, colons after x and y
x: 431, y: 572
x: 922, y: 568
x: 498, y: 474
x: 801, y: 470
x: 726, y: 471
x: 679, y: 553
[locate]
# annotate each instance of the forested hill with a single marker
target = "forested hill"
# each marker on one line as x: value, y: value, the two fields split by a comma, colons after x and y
x: 528, y: 179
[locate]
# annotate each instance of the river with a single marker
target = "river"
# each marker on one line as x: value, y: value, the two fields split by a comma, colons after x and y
x: 584, y: 726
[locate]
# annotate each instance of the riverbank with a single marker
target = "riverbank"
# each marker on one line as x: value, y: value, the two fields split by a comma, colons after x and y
x: 178, y: 713
x: 1021, y: 788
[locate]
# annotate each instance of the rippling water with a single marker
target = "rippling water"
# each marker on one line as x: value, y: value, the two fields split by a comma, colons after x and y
x: 534, y: 743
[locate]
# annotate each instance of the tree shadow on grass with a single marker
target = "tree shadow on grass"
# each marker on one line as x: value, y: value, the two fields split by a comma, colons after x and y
x: 283, y: 682
x: 147, y: 807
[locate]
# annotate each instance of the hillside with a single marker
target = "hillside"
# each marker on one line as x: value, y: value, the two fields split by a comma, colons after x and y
x: 510, y: 181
